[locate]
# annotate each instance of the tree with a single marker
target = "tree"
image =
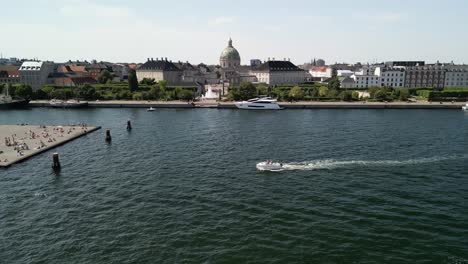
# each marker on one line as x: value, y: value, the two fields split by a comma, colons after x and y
x: 296, y: 93
x: 105, y: 76
x: 157, y: 93
x: 403, y: 94
x: 162, y: 84
x: 24, y: 91
x: 87, y: 92
x: 247, y: 90
x: 334, y: 83
x: 186, y: 95
x: 262, y: 89
x: 132, y: 80
x: 323, y: 91
x: 346, y: 96
x: 148, y: 81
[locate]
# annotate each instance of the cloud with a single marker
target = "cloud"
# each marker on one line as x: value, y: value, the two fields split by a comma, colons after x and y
x: 222, y: 20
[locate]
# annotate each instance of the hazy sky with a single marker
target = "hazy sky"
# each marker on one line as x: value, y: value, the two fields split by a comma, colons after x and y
x: 198, y: 30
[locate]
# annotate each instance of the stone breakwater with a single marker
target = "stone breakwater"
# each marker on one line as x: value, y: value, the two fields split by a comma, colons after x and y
x: 20, y: 142
x: 296, y: 105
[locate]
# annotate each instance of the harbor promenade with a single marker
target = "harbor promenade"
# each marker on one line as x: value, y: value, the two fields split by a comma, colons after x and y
x: 20, y: 142
x: 287, y: 105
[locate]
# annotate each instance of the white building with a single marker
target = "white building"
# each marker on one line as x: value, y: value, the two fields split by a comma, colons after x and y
x: 456, y: 76
x: 391, y: 76
x: 279, y: 72
x: 321, y: 73
x: 35, y: 73
x: 344, y: 73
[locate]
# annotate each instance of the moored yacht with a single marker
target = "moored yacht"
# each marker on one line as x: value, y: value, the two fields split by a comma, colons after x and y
x: 264, y: 103
x: 6, y: 101
x: 465, y: 107
x: 72, y: 103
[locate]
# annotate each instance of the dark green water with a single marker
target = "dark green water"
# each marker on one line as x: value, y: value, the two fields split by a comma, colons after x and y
x: 370, y: 186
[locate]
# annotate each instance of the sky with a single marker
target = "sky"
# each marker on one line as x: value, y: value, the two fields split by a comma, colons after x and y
x: 198, y: 30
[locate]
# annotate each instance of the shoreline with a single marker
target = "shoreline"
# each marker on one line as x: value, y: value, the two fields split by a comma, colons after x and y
x: 286, y: 105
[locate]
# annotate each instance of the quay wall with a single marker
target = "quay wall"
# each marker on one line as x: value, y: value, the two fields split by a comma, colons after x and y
x: 299, y: 105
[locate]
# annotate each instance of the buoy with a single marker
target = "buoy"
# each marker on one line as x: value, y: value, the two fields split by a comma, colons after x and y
x: 129, y: 125
x: 56, y: 161
x: 108, y: 135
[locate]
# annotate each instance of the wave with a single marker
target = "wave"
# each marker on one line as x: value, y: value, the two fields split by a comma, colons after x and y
x: 334, y: 164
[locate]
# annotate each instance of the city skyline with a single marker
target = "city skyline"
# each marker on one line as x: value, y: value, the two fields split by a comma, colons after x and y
x: 342, y: 31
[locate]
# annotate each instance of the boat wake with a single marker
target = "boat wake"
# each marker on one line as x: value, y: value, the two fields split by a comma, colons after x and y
x: 335, y: 164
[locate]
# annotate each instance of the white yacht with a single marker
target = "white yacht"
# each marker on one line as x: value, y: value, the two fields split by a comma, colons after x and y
x: 72, y: 103
x: 465, y: 107
x: 269, y: 166
x: 264, y: 103
x: 151, y: 109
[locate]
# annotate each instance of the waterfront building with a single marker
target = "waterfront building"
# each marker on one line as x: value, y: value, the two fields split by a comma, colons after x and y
x: 279, y: 72
x: 9, y: 74
x: 391, y: 76
x: 35, y: 73
x: 230, y: 57
x: 320, y: 73
x: 159, y: 69
x: 255, y: 62
x: 456, y: 76
x: 429, y: 75
x: 347, y: 82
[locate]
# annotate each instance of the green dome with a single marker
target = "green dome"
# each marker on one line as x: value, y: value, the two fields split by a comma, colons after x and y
x: 230, y: 53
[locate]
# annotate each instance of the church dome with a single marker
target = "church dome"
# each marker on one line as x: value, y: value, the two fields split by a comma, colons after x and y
x: 230, y: 56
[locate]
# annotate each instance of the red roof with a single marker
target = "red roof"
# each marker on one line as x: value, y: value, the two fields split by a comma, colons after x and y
x: 319, y: 68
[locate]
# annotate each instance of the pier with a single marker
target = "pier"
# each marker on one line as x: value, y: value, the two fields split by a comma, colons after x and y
x: 21, y: 142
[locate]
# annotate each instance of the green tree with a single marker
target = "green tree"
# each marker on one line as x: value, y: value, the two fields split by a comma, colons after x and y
x: 323, y: 91
x: 247, y: 90
x: 157, y: 92
x: 48, y: 90
x: 148, y: 81
x: 132, y: 80
x: 24, y: 91
x: 87, y: 92
x: 105, y: 76
x: 355, y: 95
x: 162, y: 84
x: 346, y: 96
x: 380, y: 95
x: 296, y: 93
x: 262, y: 89
x: 186, y: 95
x: 334, y: 83
x: 403, y: 94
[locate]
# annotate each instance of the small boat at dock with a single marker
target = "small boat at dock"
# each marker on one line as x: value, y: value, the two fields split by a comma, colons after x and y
x: 465, y: 107
x: 151, y: 109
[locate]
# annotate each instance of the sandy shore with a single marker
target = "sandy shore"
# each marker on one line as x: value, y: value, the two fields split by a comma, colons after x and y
x: 19, y: 142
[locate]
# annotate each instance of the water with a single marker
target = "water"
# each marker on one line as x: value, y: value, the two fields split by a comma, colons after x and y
x: 361, y: 186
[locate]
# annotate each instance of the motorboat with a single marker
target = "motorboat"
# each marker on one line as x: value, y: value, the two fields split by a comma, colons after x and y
x: 269, y: 166
x: 465, y: 107
x: 151, y: 109
x: 263, y: 103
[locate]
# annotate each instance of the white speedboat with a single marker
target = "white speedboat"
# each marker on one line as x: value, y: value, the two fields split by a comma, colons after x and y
x: 151, y: 109
x: 269, y: 166
x: 465, y: 107
x: 265, y: 103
